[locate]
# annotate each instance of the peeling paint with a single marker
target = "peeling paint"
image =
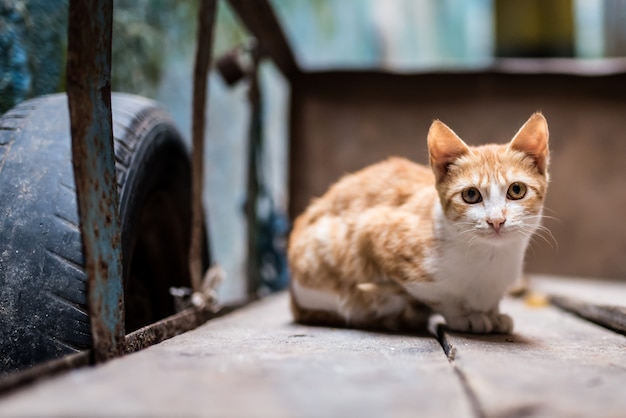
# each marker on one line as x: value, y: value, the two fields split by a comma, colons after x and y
x: 89, y: 97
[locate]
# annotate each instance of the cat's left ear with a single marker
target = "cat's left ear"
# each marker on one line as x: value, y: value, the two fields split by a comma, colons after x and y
x: 532, y: 140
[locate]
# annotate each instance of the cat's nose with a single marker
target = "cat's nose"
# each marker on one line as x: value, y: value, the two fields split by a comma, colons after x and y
x: 496, y: 223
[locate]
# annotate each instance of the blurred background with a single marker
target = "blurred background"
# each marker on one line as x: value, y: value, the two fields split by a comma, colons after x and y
x: 153, y: 51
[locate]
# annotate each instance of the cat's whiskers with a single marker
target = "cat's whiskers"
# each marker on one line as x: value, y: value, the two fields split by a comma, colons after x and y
x: 527, y: 233
x: 552, y: 218
x: 467, y: 231
x: 469, y: 245
x: 471, y: 227
x: 541, y: 231
x: 462, y: 223
x: 537, y: 230
x: 545, y: 208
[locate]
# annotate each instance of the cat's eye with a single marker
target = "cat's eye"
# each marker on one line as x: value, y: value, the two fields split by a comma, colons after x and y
x: 471, y: 195
x: 516, y: 191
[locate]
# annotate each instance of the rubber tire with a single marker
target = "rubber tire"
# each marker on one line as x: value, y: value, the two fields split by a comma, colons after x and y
x: 43, y: 298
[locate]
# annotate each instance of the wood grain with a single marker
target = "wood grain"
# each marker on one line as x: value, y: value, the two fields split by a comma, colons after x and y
x: 257, y: 363
x: 554, y: 365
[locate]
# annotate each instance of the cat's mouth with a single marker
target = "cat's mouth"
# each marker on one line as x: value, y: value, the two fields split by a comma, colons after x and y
x: 492, y: 234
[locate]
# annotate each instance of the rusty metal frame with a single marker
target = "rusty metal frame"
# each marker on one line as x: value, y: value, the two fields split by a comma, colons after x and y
x: 89, y: 98
x: 206, y: 20
x: 252, y: 186
x: 89, y: 101
x: 271, y: 42
x: 135, y: 341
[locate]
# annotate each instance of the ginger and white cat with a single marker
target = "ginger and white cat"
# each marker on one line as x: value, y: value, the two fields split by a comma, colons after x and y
x: 388, y: 245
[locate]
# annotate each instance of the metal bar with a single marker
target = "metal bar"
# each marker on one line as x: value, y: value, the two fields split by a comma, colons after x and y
x: 138, y: 340
x: 206, y: 19
x: 50, y: 368
x: 259, y: 18
x: 89, y: 97
x: 252, y: 192
x: 174, y: 325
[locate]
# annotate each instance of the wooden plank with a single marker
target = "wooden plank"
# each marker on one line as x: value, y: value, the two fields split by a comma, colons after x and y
x: 554, y: 365
x: 608, y: 316
x: 602, y: 302
x: 597, y: 291
x: 135, y: 341
x: 256, y: 362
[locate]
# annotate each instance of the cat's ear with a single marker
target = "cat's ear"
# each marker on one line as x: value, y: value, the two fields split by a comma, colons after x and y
x: 444, y: 147
x: 532, y: 140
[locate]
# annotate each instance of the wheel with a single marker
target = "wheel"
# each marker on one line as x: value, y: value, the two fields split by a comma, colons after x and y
x: 43, y: 295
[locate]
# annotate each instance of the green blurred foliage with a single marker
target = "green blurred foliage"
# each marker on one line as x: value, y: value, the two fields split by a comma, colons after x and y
x: 145, y: 34
x: 33, y: 39
x: 322, y: 13
x: 148, y: 33
x: 229, y: 32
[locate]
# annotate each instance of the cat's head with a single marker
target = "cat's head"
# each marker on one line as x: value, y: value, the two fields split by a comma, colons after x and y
x: 495, y: 192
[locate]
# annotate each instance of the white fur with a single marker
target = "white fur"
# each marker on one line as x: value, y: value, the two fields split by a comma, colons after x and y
x: 315, y: 299
x: 472, y: 271
x: 389, y: 303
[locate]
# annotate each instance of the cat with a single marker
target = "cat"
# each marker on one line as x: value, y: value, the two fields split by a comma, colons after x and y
x: 388, y: 246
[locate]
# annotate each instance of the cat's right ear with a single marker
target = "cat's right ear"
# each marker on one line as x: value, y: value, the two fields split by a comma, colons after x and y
x: 532, y: 140
x: 444, y: 147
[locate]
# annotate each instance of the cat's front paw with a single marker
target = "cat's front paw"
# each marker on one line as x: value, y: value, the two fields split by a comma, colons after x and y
x: 481, y: 323
x: 474, y: 322
x: 502, y: 324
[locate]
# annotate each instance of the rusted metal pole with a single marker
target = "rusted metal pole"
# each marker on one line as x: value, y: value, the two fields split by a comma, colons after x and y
x: 89, y: 100
x: 252, y: 195
x: 206, y: 18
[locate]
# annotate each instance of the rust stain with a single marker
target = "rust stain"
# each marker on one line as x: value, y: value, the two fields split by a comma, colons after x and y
x: 172, y: 326
x: 88, y: 87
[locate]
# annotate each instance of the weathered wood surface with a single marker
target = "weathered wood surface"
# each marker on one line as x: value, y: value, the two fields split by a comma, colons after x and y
x: 555, y: 365
x: 255, y: 362
x: 601, y: 292
x: 601, y: 302
x: 609, y: 316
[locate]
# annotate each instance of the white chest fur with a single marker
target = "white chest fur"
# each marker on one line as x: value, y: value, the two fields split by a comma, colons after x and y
x: 470, y: 274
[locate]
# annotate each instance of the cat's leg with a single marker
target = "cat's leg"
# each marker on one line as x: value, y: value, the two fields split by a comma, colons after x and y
x: 314, y: 317
x: 384, y: 306
x: 502, y: 323
x: 415, y: 316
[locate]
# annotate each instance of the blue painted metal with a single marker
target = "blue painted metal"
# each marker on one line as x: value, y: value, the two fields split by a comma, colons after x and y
x: 206, y: 20
x: 89, y: 97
